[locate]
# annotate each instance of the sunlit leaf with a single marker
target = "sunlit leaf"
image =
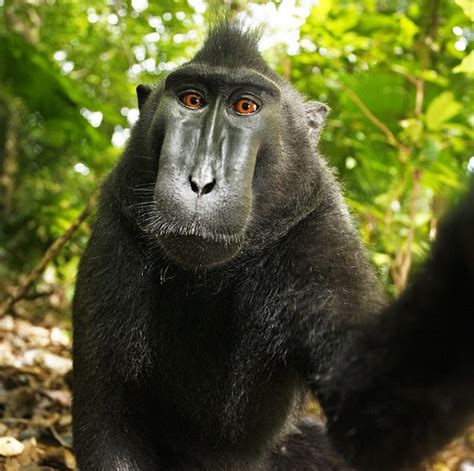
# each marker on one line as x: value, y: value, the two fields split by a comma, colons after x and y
x: 381, y: 259
x: 321, y: 10
x: 412, y: 130
x: 441, y: 109
x: 466, y: 66
x: 408, y: 29
x: 467, y: 7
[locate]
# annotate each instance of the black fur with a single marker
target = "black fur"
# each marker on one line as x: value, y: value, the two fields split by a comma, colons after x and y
x: 234, y: 46
x: 404, y: 385
x: 306, y: 449
x: 207, y: 368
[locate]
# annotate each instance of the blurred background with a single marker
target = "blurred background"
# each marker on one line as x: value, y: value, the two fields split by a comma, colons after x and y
x: 397, y: 75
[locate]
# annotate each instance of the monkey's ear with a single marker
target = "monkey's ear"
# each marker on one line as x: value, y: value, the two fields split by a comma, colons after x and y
x: 143, y: 92
x: 316, y: 113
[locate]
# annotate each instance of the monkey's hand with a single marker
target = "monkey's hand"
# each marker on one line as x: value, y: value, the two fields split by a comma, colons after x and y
x: 404, y: 385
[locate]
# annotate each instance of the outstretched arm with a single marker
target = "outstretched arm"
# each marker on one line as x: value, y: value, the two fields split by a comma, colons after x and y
x: 404, y: 385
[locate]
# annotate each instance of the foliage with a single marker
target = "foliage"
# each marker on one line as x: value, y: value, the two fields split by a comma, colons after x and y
x: 400, y: 129
x: 395, y: 73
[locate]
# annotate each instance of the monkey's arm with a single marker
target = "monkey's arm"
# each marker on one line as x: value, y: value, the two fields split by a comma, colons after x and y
x: 404, y: 385
x: 111, y: 351
x: 106, y: 436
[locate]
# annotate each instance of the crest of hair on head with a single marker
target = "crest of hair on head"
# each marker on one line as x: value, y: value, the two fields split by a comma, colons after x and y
x: 232, y: 43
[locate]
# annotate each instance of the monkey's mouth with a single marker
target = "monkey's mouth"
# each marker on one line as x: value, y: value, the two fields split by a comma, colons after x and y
x: 222, y: 235
x: 163, y: 226
x: 194, y: 251
x: 196, y: 238
x: 194, y: 244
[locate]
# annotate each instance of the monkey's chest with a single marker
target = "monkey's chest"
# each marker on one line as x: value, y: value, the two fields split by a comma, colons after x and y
x: 220, y: 388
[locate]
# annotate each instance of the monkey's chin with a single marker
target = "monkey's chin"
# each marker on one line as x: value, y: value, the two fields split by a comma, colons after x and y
x: 193, y: 252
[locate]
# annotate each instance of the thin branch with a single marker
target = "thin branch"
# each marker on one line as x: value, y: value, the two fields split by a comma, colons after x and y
x: 8, y: 177
x: 396, y: 194
x: 420, y: 96
x: 392, y: 140
x: 22, y: 289
x: 405, y: 258
x: 401, y: 71
x: 419, y: 84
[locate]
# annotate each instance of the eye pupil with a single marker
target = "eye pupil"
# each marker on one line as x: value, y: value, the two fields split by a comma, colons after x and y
x: 192, y: 100
x: 245, y: 106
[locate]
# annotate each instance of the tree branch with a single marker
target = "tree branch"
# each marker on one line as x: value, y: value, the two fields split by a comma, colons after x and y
x: 22, y: 289
x: 392, y: 140
x: 404, y: 257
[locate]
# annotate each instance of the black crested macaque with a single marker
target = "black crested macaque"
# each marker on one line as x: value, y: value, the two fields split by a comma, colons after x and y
x: 224, y: 281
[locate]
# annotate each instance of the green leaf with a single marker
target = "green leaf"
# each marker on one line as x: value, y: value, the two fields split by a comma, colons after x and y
x: 412, y: 129
x: 381, y: 259
x: 431, y: 149
x: 467, y: 7
x: 408, y: 30
x: 466, y: 66
x: 434, y: 77
x: 442, y: 109
x: 321, y: 11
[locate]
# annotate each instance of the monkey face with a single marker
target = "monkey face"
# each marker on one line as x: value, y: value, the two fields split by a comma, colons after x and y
x: 214, y: 124
x: 231, y: 159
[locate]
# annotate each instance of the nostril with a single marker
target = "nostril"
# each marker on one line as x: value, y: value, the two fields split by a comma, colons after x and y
x: 199, y: 189
x: 208, y: 188
x: 194, y: 185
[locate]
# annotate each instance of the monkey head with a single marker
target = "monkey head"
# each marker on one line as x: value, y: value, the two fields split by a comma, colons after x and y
x: 230, y: 140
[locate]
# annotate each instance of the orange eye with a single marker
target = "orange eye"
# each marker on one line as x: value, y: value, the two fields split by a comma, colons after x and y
x: 245, y: 106
x: 192, y: 100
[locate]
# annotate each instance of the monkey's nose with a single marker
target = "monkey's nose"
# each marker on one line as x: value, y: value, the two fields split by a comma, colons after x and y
x: 201, y: 186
